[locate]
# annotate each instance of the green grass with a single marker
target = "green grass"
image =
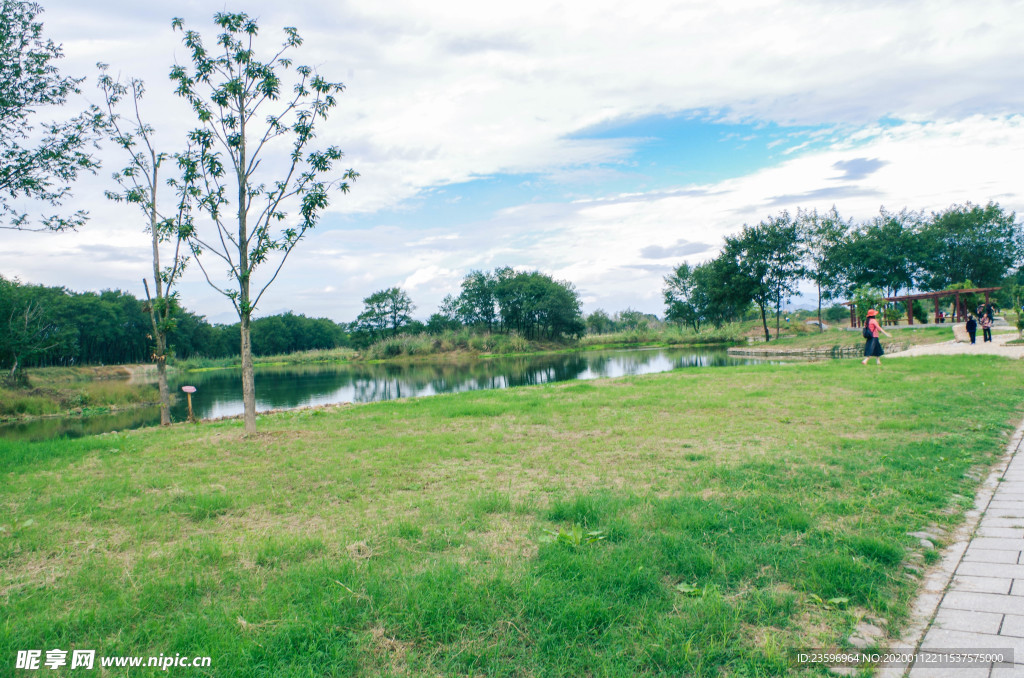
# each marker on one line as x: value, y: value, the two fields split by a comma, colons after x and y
x: 808, y: 337
x: 668, y: 335
x: 56, y: 390
x: 409, y: 537
x: 299, y: 357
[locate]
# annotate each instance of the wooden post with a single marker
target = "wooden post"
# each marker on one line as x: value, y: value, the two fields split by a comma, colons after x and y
x: 958, y: 311
x: 935, y: 318
x: 910, y: 311
x: 189, y: 390
x: 853, y: 315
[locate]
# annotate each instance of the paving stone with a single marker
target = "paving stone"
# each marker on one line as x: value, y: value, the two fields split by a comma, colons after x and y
x: 1005, y: 532
x: 1011, y: 512
x: 982, y: 584
x: 998, y: 521
x: 983, y: 602
x: 997, y: 543
x: 1000, y: 570
x: 998, y: 503
x: 1013, y: 625
x: 951, y: 672
x: 961, y: 620
x: 1017, y: 589
x: 976, y: 555
x: 1007, y: 496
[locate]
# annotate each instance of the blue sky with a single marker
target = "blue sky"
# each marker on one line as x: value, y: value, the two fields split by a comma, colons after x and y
x: 598, y: 142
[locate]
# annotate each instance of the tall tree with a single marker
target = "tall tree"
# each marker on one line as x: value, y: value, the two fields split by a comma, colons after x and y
x: 476, y: 301
x: 245, y: 114
x: 823, y: 237
x: 727, y: 293
x: 885, y: 252
x: 27, y: 329
x: 398, y: 307
x: 38, y: 159
x: 140, y: 185
x: 685, y: 301
x: 970, y: 242
x: 383, y: 310
x: 767, y: 262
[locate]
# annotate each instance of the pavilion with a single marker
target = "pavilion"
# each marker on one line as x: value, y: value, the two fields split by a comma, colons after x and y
x: 959, y: 311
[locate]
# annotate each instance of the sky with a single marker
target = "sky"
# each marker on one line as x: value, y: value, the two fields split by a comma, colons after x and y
x: 602, y: 143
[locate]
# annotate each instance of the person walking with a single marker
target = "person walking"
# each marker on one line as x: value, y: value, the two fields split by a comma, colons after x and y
x: 986, y: 327
x: 872, y: 346
x: 972, y: 327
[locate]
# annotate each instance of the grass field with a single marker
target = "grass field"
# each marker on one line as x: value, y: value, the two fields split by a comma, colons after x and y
x: 741, y: 513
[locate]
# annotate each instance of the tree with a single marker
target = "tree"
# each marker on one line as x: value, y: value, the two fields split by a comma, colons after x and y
x: 385, y: 309
x: 823, y: 237
x: 245, y: 116
x: 727, y: 293
x: 398, y: 306
x: 476, y: 301
x: 685, y: 300
x: 970, y: 242
x: 599, y: 322
x: 631, y: 319
x: 446, y: 318
x: 140, y: 184
x: 537, y: 306
x: 885, y: 252
x: 38, y: 161
x: 766, y: 258
x: 27, y: 329
x: 866, y: 298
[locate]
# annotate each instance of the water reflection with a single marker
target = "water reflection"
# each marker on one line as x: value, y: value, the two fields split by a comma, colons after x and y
x: 291, y: 386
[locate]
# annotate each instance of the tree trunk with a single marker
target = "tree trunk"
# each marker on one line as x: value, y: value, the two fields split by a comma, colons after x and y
x: 764, y: 323
x: 161, y: 379
x: 248, y: 379
x: 820, y: 327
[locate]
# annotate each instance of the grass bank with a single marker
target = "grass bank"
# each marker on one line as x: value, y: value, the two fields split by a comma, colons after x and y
x: 297, y: 358
x: 837, y: 338
x: 743, y: 513
x: 71, y: 390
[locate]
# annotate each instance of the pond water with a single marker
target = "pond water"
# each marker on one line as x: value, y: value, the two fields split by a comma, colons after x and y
x: 290, y: 386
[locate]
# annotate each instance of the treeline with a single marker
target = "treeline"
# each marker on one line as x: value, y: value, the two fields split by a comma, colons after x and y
x: 531, y: 304
x: 45, y: 326
x: 895, y: 252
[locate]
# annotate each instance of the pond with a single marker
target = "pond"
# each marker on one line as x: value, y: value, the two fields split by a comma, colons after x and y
x: 291, y: 386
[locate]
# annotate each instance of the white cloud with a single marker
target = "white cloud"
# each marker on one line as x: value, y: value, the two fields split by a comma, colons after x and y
x: 442, y: 93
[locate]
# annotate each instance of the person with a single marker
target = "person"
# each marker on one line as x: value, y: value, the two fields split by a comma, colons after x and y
x: 986, y: 326
x: 872, y: 346
x: 972, y: 327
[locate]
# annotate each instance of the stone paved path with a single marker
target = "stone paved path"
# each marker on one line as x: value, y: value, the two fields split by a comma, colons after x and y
x: 983, y: 606
x: 995, y: 347
x: 975, y: 599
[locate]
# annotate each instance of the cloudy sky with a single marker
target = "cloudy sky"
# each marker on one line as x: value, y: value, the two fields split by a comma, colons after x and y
x: 600, y: 142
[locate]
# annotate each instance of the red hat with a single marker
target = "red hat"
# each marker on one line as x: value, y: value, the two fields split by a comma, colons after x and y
x: 872, y: 312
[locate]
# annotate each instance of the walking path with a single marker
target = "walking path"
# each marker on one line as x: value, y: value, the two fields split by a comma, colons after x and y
x: 974, y: 600
x: 995, y: 347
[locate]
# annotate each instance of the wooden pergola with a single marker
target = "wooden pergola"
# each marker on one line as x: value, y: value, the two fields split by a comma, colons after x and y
x: 959, y: 312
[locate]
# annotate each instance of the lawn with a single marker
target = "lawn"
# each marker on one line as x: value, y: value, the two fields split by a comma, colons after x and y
x: 740, y: 514
x: 803, y: 337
